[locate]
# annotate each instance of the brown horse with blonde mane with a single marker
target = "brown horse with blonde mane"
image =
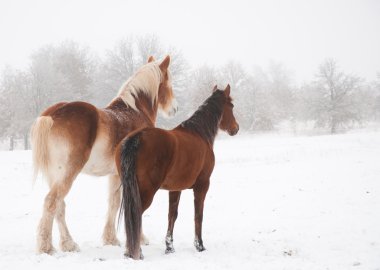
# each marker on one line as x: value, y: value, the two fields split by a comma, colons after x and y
x: 178, y: 159
x: 74, y: 137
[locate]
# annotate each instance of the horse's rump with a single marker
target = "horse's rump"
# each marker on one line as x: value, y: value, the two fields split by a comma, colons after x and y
x: 64, y: 131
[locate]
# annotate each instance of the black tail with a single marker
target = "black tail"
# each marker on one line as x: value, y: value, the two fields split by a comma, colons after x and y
x: 131, y: 201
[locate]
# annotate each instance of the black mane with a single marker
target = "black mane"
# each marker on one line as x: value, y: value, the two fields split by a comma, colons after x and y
x: 205, y: 121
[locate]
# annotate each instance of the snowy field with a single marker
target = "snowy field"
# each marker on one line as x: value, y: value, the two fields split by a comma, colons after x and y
x: 275, y: 202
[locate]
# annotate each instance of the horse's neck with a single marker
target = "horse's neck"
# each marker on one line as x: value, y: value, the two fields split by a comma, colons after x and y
x: 147, y: 109
x: 117, y: 105
x: 204, y: 122
x: 128, y: 117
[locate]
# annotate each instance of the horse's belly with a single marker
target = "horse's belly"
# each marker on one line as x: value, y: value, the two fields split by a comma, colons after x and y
x: 179, y: 180
x: 176, y: 185
x: 101, y: 161
x: 99, y: 166
x: 184, y: 171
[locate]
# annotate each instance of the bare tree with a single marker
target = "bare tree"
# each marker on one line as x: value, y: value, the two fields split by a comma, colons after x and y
x: 258, y: 100
x: 243, y: 91
x: 200, y: 85
x: 333, y: 99
x: 60, y: 73
x: 118, y: 66
x: 148, y: 45
x: 6, y: 110
x: 75, y: 64
x: 282, y: 91
x: 16, y: 110
x: 56, y: 73
x: 126, y: 57
x: 263, y: 98
x: 376, y: 99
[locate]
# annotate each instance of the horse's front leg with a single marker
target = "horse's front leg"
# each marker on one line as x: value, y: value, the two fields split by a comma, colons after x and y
x: 200, y: 191
x: 174, y: 197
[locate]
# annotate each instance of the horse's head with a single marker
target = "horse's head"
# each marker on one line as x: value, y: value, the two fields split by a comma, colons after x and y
x: 167, y: 102
x: 228, y: 122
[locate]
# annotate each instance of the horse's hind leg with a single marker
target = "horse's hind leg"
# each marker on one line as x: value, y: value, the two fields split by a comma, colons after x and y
x: 66, y: 242
x: 174, y: 197
x: 45, y: 227
x: 54, y: 205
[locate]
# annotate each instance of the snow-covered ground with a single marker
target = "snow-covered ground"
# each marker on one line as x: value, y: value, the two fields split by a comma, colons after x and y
x: 275, y: 202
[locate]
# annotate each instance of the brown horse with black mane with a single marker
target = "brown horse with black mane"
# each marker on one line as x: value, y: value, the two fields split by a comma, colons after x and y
x: 69, y: 138
x: 178, y: 159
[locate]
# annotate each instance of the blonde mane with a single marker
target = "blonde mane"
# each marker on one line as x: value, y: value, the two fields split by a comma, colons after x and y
x: 146, y: 80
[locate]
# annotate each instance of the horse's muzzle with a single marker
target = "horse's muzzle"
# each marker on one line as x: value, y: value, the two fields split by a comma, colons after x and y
x: 233, y: 131
x: 173, y: 111
x: 174, y: 108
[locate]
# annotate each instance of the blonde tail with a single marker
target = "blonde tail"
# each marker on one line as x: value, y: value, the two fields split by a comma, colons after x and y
x: 39, y: 135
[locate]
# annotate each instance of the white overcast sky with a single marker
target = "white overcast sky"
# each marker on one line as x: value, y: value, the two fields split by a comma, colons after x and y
x: 298, y: 33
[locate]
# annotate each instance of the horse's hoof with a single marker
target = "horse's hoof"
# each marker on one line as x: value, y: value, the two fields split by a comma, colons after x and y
x: 199, y: 245
x: 69, y: 246
x: 200, y: 249
x: 111, y: 242
x: 144, y: 240
x: 169, y: 250
x: 47, y: 249
x: 129, y: 256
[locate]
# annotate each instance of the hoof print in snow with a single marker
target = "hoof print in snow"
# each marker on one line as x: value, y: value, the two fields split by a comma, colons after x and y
x: 289, y: 252
x: 99, y: 259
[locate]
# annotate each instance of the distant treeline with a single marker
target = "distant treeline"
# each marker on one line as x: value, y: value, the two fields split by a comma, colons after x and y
x: 264, y: 98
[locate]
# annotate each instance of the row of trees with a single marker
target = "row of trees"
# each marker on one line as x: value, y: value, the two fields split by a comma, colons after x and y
x: 264, y: 99
x: 334, y: 101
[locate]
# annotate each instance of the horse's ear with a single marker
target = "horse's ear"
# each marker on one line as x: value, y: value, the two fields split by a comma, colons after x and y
x: 151, y: 59
x: 227, y: 91
x: 165, y: 63
x: 215, y: 88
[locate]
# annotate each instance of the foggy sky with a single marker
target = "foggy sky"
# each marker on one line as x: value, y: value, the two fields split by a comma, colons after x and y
x: 300, y: 34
